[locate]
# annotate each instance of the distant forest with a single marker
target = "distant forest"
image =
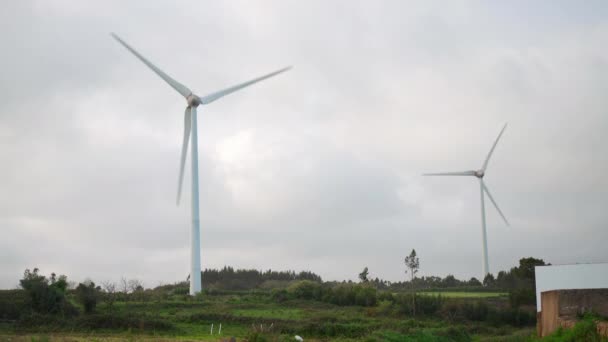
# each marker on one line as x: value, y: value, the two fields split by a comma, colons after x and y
x: 228, y: 278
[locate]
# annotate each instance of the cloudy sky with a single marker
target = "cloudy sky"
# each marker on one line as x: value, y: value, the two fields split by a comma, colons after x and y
x: 318, y: 168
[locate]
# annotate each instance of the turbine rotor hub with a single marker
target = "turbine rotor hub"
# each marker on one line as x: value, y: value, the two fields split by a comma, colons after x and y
x: 479, y: 173
x: 193, y: 100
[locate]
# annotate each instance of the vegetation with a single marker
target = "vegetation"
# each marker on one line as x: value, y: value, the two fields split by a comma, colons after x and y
x: 584, y: 330
x: 413, y: 264
x: 270, y: 306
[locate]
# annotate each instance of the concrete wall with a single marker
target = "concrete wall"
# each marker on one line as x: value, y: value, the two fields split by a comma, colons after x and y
x: 561, y: 307
x: 548, y: 317
x: 573, y: 302
x: 564, y: 277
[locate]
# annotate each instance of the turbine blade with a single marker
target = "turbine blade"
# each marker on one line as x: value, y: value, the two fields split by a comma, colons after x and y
x: 462, y: 173
x: 485, y: 188
x: 485, y: 163
x: 187, y: 128
x: 214, y: 96
x: 182, y: 89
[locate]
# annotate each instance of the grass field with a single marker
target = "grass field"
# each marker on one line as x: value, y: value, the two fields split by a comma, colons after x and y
x: 243, y: 315
x: 454, y: 294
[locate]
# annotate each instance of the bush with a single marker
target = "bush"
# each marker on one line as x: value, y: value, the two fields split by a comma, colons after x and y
x: 522, y: 296
x: 456, y: 334
x: 351, y: 294
x: 12, y: 304
x: 279, y: 295
x: 584, y: 330
x: 305, y: 289
x: 450, y: 311
x: 386, y: 295
x: 425, y: 305
x: 122, y: 322
x: 365, y: 296
x: 87, y: 295
x: 45, y: 295
x: 477, y: 312
x: 385, y: 308
x: 38, y: 321
x: 428, y: 305
x: 512, y: 316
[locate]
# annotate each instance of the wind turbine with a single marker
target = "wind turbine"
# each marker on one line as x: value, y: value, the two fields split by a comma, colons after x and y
x: 483, y: 188
x: 190, y: 126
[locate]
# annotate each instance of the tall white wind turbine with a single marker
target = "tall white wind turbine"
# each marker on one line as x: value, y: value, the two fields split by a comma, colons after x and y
x: 483, y: 188
x: 190, y: 131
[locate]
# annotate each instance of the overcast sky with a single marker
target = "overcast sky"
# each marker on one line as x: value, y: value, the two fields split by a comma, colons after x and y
x: 316, y: 169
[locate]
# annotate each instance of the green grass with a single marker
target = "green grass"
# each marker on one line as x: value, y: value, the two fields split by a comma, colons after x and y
x: 191, y: 319
x: 453, y: 294
x: 280, y: 313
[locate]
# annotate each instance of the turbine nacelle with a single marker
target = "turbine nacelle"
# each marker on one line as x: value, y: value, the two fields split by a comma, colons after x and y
x: 193, y: 100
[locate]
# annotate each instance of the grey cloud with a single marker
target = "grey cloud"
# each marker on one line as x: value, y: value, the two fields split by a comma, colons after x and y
x: 316, y: 169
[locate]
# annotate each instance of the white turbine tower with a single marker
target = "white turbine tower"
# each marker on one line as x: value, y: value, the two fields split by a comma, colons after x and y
x: 483, y: 188
x: 190, y: 126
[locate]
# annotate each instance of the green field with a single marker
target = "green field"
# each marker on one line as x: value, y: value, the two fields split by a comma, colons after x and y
x: 462, y: 294
x: 256, y: 316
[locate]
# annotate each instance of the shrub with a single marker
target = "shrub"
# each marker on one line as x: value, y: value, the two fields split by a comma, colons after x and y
x: 87, y: 295
x: 45, y: 295
x: 365, y: 295
x: 512, y: 316
x: 12, y: 304
x: 584, y: 330
x: 456, y: 334
x: 385, y: 308
x: 279, y: 295
x: 425, y: 305
x: 477, y: 311
x: 450, y: 311
x: 304, y: 289
x: 123, y: 322
x: 428, y: 305
x: 386, y: 295
x: 350, y: 294
x: 522, y: 296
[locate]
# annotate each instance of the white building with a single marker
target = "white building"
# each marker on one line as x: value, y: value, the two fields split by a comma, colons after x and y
x: 569, y: 277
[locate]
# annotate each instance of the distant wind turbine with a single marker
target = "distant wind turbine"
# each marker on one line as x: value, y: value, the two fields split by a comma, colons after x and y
x: 190, y: 126
x: 483, y: 188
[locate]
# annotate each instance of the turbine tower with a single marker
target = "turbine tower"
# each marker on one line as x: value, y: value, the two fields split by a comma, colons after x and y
x: 190, y: 131
x: 483, y: 189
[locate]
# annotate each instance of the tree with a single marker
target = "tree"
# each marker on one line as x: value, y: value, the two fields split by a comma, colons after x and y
x: 45, y: 296
x: 489, y: 280
x: 413, y: 264
x: 449, y: 281
x: 87, y: 295
x: 124, y: 286
x: 474, y: 282
x: 363, y: 275
x: 526, y: 268
x: 135, y: 285
x: 109, y: 289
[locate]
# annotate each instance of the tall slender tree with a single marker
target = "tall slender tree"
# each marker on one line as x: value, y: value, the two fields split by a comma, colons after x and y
x: 413, y: 264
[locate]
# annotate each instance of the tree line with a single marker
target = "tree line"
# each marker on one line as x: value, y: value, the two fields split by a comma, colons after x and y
x: 47, y: 295
x: 228, y: 278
